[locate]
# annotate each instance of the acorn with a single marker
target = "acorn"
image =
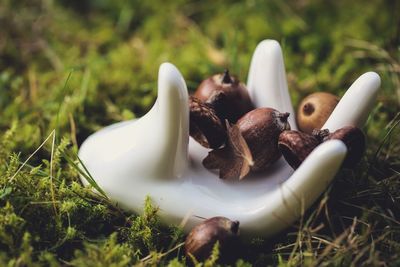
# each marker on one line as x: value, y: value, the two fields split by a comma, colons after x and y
x: 295, y: 146
x: 314, y: 111
x: 252, y: 144
x: 261, y: 128
x: 204, y: 125
x: 226, y: 94
x: 352, y: 137
x: 202, y: 238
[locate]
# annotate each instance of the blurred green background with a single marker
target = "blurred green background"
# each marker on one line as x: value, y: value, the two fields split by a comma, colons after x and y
x: 70, y: 67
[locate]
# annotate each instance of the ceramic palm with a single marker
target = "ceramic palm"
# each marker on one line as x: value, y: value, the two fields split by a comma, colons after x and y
x: 154, y: 156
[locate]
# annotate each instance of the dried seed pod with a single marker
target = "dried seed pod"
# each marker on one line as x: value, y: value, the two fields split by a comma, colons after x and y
x: 354, y: 139
x: 295, y: 146
x: 226, y: 95
x: 205, y: 126
x: 203, y: 237
x: 314, y: 110
x: 252, y: 144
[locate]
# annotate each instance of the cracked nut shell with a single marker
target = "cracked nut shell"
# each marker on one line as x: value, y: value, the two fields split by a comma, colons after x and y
x: 205, y: 126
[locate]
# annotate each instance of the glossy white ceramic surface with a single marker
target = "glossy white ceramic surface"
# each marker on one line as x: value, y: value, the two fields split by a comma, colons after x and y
x: 151, y: 156
x: 266, y: 81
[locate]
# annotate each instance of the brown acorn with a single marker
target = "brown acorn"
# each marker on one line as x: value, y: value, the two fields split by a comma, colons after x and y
x: 226, y: 95
x: 314, y: 110
x: 352, y: 137
x: 201, y: 240
x: 261, y: 128
x: 252, y: 144
x: 205, y: 126
x: 295, y: 146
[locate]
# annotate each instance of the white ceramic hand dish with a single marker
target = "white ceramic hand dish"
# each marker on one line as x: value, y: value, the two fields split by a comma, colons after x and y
x: 154, y: 156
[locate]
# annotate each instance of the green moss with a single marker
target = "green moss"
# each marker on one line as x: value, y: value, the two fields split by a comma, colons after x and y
x: 104, y: 253
x: 71, y: 67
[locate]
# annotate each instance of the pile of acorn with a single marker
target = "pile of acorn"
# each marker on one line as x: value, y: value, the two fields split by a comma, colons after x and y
x: 244, y: 139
